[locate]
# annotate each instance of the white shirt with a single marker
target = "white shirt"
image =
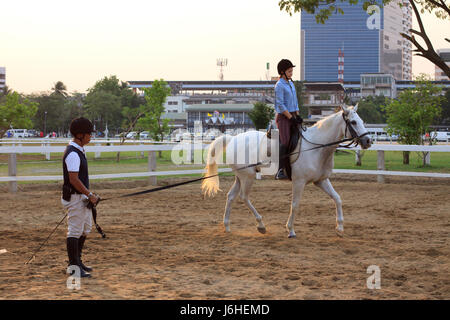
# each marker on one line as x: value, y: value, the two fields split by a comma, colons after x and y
x: 73, y: 159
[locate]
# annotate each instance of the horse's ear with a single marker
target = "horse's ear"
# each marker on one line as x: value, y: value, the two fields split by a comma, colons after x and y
x: 355, y: 108
x: 344, y: 109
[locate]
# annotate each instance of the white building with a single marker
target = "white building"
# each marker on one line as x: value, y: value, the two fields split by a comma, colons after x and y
x: 378, y: 84
x: 2, y: 78
x: 439, y: 75
x: 175, y: 104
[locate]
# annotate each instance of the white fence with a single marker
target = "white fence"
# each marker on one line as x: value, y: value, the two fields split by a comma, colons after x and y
x: 12, y: 177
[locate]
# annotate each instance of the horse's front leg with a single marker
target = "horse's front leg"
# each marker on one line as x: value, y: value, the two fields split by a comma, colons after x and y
x: 297, y: 191
x: 326, y: 186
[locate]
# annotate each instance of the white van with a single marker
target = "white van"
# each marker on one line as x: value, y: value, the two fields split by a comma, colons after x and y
x: 440, y: 135
x: 18, y: 133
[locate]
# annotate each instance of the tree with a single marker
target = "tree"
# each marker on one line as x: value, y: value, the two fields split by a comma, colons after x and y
x: 16, y: 112
x: 110, y: 87
x: 441, y: 9
x: 155, y: 97
x: 52, y: 113
x: 103, y: 108
x: 75, y: 105
x: 5, y: 91
x: 131, y: 115
x: 445, y: 105
x: 370, y: 109
x: 261, y: 115
x: 299, y: 88
x: 411, y: 115
x: 60, y: 89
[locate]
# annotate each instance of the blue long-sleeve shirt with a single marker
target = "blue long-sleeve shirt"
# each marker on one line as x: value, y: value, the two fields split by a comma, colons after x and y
x: 285, y: 96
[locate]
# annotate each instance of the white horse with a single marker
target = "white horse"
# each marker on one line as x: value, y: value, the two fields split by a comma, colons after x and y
x: 311, y: 166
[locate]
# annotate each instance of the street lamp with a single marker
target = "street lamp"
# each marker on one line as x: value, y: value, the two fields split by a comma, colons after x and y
x: 45, y: 124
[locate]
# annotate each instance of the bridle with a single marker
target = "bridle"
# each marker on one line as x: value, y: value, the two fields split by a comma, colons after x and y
x: 353, y: 141
x: 355, y: 137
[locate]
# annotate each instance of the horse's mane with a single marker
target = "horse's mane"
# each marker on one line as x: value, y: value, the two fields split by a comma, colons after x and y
x: 325, y: 122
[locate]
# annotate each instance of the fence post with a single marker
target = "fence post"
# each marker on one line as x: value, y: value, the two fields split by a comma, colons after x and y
x: 152, y: 167
x: 380, y: 165
x: 98, y: 153
x: 12, y: 171
x: 428, y: 158
x: 47, y: 155
x: 142, y: 152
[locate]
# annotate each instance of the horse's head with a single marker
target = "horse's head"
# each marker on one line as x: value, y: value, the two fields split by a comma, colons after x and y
x: 355, y: 126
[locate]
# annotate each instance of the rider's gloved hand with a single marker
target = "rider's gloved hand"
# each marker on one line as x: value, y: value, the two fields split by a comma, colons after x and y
x: 293, y: 121
x: 298, y: 119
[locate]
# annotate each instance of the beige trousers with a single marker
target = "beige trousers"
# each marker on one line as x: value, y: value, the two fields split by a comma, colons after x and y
x: 79, y: 217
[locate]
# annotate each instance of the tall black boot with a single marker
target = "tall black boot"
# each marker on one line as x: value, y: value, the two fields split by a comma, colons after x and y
x: 74, y: 258
x: 281, y: 175
x: 80, y: 249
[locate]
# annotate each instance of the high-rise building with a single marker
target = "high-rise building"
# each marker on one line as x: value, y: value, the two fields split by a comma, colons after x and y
x: 371, y: 43
x: 439, y: 75
x: 2, y: 78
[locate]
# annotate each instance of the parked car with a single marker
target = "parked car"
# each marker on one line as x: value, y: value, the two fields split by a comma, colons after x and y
x: 144, y: 135
x: 132, y: 135
x: 33, y: 133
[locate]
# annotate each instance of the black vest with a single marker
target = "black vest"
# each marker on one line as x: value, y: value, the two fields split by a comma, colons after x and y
x: 83, y: 174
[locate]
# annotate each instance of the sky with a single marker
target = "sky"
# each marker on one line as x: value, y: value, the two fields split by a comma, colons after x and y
x: 80, y: 42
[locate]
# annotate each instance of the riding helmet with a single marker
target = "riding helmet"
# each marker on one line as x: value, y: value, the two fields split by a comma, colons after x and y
x: 283, y: 65
x: 81, y: 125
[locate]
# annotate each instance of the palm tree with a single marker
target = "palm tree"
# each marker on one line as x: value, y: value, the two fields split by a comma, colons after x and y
x: 60, y: 88
x: 5, y: 91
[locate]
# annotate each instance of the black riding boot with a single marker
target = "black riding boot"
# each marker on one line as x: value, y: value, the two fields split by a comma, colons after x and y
x: 80, y: 249
x: 74, y: 258
x: 281, y: 174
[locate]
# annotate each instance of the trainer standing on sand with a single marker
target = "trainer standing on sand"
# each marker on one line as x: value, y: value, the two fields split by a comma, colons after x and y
x: 76, y: 194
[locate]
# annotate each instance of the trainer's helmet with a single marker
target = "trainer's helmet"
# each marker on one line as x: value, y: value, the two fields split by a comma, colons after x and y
x: 283, y: 65
x: 81, y: 125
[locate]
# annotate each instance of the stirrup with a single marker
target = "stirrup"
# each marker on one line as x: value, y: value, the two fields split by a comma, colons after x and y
x: 281, y: 175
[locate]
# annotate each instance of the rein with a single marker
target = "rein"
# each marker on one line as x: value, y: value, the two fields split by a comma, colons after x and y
x: 354, y: 139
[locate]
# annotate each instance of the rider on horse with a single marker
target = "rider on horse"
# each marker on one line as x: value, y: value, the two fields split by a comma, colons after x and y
x: 286, y: 106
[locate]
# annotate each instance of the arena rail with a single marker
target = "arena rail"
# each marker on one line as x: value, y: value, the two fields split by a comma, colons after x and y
x: 381, y: 172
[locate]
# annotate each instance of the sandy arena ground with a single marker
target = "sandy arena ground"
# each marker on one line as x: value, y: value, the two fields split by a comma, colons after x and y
x: 172, y: 245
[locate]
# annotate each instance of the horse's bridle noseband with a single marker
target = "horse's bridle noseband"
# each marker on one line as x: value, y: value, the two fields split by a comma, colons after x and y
x: 355, y: 137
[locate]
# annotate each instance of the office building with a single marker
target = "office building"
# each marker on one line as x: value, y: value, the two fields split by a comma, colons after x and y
x: 370, y: 43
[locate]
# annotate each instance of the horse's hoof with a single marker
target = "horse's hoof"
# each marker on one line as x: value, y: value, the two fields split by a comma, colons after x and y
x: 292, y: 236
x: 340, y: 232
x: 262, y: 230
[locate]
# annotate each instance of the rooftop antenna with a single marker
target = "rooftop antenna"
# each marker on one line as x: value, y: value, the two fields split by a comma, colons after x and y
x: 222, y: 63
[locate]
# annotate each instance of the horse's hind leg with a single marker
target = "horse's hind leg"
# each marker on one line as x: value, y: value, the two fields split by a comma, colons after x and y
x: 246, y: 185
x: 231, y: 196
x: 326, y: 186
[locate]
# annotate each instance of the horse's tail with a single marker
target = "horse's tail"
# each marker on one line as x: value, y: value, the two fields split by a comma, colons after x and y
x: 210, y: 186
